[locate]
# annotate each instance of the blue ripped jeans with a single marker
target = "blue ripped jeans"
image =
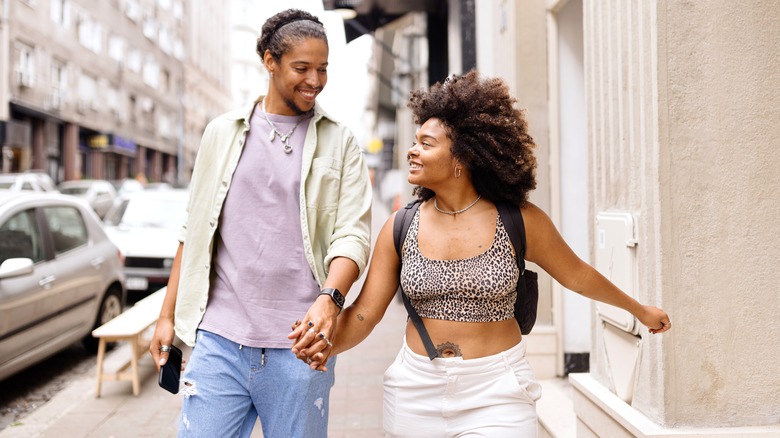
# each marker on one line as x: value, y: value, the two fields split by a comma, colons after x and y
x: 226, y: 387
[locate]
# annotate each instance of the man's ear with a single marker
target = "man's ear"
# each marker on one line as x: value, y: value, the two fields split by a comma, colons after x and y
x: 269, y: 61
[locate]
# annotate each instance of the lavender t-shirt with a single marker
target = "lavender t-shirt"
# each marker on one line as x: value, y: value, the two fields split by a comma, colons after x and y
x: 262, y: 282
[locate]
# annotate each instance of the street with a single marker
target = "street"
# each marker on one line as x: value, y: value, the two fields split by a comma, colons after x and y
x: 27, y: 390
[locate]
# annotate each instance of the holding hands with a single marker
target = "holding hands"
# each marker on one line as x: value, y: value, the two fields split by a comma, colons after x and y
x: 313, y: 336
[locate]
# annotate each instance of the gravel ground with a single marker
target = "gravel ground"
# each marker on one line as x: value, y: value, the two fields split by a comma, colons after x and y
x: 27, y: 390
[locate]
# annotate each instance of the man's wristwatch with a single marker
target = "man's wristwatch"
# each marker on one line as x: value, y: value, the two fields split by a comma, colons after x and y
x: 335, y: 295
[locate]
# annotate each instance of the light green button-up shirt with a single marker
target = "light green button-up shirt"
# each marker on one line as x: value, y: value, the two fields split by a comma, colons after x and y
x: 335, y: 205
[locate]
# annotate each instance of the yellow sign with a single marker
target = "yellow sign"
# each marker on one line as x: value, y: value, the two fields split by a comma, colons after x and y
x: 375, y: 145
x: 98, y: 141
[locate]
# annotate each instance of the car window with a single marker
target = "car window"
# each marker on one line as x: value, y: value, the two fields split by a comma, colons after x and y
x: 19, y: 237
x: 153, y: 212
x: 27, y: 186
x: 6, y: 184
x: 67, y: 228
x: 73, y: 190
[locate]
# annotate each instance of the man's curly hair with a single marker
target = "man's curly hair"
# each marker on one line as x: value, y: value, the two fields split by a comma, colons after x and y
x: 489, y: 135
x: 287, y: 28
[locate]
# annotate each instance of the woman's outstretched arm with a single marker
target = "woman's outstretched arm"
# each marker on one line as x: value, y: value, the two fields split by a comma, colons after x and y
x: 547, y: 249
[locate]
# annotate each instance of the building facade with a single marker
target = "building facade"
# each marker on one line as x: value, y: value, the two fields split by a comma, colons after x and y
x: 95, y: 89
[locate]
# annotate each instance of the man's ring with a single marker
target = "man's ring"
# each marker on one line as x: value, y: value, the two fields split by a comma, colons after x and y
x: 308, y: 360
x: 312, y: 330
x: 165, y: 348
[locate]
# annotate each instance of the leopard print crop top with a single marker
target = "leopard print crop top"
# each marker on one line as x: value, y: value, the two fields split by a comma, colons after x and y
x: 477, y: 289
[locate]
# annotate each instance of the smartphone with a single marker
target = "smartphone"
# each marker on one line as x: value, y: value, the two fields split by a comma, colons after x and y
x: 170, y: 373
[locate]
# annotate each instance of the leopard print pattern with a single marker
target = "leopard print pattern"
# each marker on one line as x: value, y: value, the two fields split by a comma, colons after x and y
x: 477, y: 289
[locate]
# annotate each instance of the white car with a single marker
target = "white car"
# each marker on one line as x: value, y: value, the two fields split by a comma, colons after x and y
x: 60, y: 277
x: 98, y: 193
x: 145, y: 226
x: 35, y: 181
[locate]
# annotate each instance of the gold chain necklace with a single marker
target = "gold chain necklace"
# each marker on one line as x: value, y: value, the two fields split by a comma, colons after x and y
x: 436, y: 206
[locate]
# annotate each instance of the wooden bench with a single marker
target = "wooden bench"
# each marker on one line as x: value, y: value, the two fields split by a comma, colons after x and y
x: 131, y: 326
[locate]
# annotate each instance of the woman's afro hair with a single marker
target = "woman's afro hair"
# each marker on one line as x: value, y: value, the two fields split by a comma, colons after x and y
x: 489, y: 135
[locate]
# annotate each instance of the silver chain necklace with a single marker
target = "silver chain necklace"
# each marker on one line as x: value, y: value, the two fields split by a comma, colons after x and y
x: 436, y: 206
x: 274, y: 132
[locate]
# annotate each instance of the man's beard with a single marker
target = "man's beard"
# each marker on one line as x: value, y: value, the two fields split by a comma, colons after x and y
x: 290, y: 104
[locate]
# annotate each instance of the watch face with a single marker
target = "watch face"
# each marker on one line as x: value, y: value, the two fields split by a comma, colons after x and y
x: 338, y: 298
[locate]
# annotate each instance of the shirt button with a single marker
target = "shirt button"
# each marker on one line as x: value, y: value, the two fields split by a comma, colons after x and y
x: 211, y: 224
x: 202, y: 309
x: 224, y: 183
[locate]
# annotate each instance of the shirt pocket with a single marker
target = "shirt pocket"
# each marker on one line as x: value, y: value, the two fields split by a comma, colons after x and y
x: 325, y: 183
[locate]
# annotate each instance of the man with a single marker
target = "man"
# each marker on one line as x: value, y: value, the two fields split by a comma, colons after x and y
x: 278, y: 230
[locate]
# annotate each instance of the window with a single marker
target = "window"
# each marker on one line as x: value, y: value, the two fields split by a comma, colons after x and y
x: 90, y: 33
x: 67, y: 227
x: 59, y: 76
x: 134, y: 62
x: 87, y: 89
x: 151, y: 72
x: 19, y: 238
x: 60, y: 12
x: 25, y: 71
x: 116, y: 48
x: 133, y: 10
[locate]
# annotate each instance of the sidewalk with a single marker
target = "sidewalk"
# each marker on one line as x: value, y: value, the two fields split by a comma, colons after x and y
x: 356, y: 399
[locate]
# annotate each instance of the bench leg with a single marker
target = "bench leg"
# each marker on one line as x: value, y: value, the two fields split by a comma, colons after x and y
x: 135, y: 347
x: 101, y: 355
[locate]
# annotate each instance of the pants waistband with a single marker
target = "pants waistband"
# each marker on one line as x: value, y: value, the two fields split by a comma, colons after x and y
x: 457, y: 365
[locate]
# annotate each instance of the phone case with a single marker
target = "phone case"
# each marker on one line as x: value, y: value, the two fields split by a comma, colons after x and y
x: 170, y: 373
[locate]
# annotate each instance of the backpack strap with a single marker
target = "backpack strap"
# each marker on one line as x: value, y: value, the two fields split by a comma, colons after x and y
x: 401, y: 223
x: 515, y: 227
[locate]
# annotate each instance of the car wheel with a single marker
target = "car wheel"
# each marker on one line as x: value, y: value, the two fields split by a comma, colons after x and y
x: 110, y: 308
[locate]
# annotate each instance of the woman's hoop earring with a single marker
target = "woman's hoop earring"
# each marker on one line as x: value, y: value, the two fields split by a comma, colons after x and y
x: 457, y: 172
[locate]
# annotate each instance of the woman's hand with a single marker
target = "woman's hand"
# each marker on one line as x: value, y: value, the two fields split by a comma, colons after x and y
x: 655, y: 319
x: 315, y: 332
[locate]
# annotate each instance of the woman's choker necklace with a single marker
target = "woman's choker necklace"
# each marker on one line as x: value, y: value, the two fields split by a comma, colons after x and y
x: 274, y: 132
x: 436, y: 206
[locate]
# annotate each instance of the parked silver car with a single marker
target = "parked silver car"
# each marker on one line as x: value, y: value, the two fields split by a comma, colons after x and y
x: 34, y: 180
x: 98, y: 193
x: 145, y: 226
x: 60, y: 277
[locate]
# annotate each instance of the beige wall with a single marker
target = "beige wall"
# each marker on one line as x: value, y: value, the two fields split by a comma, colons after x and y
x: 684, y: 133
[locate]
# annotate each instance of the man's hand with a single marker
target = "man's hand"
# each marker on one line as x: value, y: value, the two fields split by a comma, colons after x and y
x: 314, y: 334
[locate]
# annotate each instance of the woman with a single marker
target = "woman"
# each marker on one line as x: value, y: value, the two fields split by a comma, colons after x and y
x: 459, y: 271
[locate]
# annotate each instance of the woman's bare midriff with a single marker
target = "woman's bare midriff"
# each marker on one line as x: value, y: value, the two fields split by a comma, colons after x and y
x: 469, y: 340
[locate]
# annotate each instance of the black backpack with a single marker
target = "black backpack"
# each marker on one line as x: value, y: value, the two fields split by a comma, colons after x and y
x: 527, y: 287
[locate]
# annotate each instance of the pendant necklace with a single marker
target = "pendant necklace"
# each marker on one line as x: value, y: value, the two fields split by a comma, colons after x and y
x: 274, y: 132
x: 436, y: 206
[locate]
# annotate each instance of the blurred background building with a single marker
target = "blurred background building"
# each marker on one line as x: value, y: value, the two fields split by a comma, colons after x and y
x: 96, y: 89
